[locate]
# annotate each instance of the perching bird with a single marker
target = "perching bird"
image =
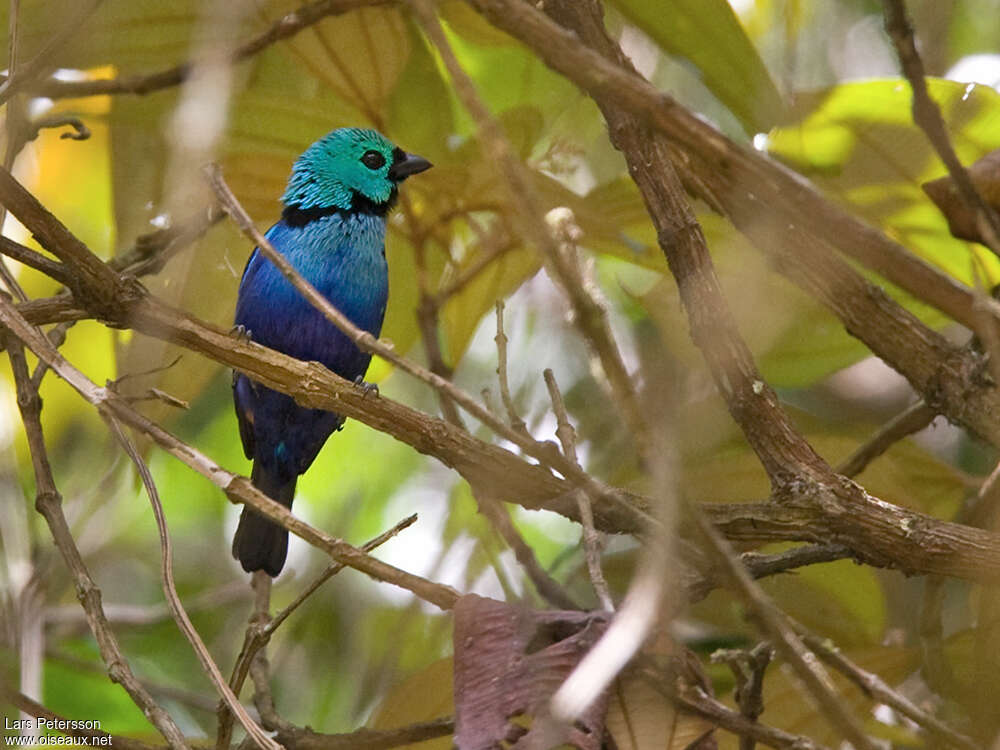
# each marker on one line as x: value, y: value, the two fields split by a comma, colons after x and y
x: 332, y: 230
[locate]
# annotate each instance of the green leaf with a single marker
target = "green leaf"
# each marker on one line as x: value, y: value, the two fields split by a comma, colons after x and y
x: 79, y: 694
x: 424, y: 696
x: 614, y: 221
x: 859, y: 143
x: 420, y: 107
x: 135, y: 36
x: 971, y: 658
x: 464, y: 310
x: 795, y: 339
x: 708, y: 33
x: 840, y: 600
x: 716, y: 455
x: 357, y: 56
x: 507, y: 77
x: 785, y: 708
x: 401, y: 323
x: 284, y: 108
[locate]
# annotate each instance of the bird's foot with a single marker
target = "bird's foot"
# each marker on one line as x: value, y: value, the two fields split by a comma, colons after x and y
x: 366, y: 386
x: 240, y: 332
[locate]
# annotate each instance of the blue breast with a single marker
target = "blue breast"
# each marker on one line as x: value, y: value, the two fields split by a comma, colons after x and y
x: 344, y: 258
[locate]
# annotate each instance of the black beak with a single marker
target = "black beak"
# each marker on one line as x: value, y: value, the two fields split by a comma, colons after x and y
x: 406, y: 164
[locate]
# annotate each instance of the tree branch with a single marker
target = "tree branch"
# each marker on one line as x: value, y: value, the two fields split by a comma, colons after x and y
x: 876, y: 688
x: 180, y: 616
x: 912, y: 419
x: 790, y: 221
x: 286, y: 26
x: 547, y: 453
x: 697, y: 702
x: 878, y: 533
x: 366, y: 739
x: 27, y: 256
x: 237, y: 488
x: 776, y: 626
x: 48, y: 502
x: 927, y: 116
x: 589, y: 315
x: 34, y: 708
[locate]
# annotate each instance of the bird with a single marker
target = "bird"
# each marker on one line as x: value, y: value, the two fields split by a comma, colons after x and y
x: 332, y: 230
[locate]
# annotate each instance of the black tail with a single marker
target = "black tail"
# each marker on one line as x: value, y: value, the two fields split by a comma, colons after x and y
x: 258, y: 543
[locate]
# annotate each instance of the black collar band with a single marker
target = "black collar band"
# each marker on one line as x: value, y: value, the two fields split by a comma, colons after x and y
x: 298, y: 217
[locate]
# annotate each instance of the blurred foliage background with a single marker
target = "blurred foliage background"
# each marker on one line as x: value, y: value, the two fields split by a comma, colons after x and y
x: 814, y: 82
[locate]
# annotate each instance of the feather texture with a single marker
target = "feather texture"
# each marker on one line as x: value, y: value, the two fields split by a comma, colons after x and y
x: 333, y: 232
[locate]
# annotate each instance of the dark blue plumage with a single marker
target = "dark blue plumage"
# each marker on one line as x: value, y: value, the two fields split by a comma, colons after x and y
x: 332, y: 230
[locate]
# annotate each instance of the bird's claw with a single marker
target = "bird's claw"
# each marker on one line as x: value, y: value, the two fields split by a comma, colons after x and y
x: 366, y: 386
x: 240, y: 332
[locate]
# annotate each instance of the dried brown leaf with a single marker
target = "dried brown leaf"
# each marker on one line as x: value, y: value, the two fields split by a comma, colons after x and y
x: 985, y: 175
x: 509, y: 661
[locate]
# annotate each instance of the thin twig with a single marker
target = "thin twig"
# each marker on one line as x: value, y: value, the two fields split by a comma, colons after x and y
x: 495, y: 512
x: 501, y: 340
x: 480, y: 263
x: 427, y: 318
x: 547, y: 453
x: 550, y: 589
x: 237, y: 488
x: 263, y: 699
x: 51, y: 268
x: 261, y: 628
x: 695, y: 700
x: 367, y: 739
x: 72, y: 729
x: 927, y: 116
x: 13, y: 124
x: 57, y: 337
x: 936, y: 667
x: 760, y: 565
x: 173, y: 600
x: 493, y: 509
x: 877, y: 689
x: 748, y: 667
x: 982, y: 510
x: 498, y: 515
x: 47, y: 57
x: 80, y: 131
x: 591, y: 540
x: 775, y: 625
x: 152, y: 251
x: 260, y: 668
x: 288, y: 25
x: 331, y: 570
x: 589, y: 314
x: 260, y: 583
x: 48, y: 502
x: 912, y: 419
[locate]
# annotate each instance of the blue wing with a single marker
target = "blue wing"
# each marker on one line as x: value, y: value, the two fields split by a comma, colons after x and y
x: 344, y: 259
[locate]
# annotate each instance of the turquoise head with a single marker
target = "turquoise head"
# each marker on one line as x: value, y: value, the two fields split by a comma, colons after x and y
x: 350, y: 169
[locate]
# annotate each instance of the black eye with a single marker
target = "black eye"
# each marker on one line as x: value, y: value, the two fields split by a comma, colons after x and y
x: 373, y: 160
